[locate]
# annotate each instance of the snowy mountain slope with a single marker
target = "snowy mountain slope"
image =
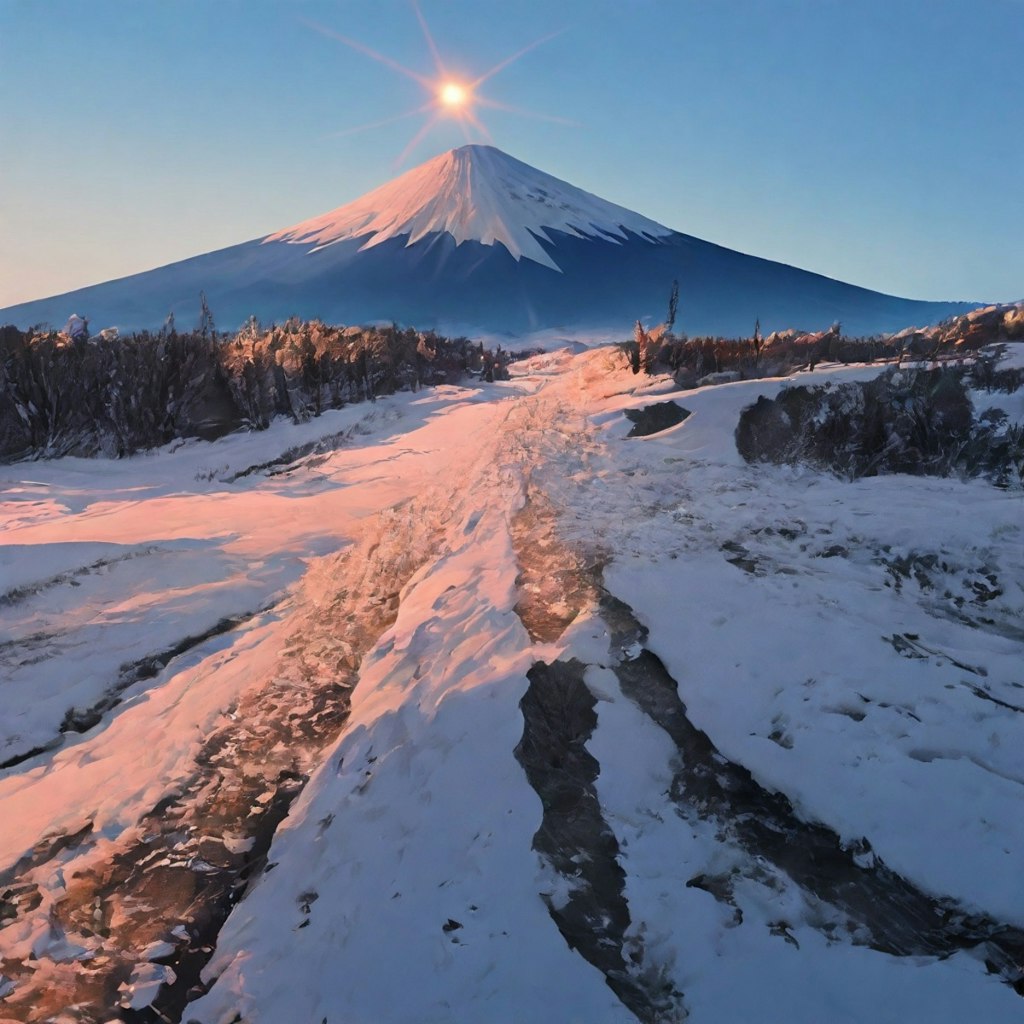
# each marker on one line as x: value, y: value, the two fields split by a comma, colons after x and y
x: 479, y: 194
x: 477, y: 242
x: 547, y: 685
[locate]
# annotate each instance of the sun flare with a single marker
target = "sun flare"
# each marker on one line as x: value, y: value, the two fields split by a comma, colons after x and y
x: 448, y: 97
x: 453, y: 95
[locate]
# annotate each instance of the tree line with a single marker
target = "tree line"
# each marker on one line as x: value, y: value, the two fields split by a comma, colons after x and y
x: 705, y: 359
x: 119, y: 395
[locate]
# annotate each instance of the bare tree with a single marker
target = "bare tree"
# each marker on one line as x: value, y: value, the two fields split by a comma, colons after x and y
x: 673, y: 307
x: 206, y: 325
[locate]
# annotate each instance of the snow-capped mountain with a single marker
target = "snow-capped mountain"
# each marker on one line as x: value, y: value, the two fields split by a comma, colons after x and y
x: 477, y: 241
x: 474, y: 194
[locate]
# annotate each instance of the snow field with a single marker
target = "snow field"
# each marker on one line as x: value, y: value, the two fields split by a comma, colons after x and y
x: 843, y: 641
x: 663, y: 506
x: 730, y: 970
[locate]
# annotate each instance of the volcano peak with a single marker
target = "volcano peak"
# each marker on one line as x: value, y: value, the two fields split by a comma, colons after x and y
x: 474, y: 241
x: 474, y: 193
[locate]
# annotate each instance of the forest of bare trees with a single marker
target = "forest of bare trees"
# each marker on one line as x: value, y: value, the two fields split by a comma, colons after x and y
x: 115, y: 396
x: 705, y: 360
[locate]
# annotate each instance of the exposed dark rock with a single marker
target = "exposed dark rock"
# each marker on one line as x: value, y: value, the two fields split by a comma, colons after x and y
x: 653, y: 419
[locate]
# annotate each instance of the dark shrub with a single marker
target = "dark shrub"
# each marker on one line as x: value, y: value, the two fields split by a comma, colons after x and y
x: 913, y: 421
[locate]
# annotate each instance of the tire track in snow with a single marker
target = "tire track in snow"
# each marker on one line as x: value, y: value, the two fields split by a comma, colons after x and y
x: 135, y: 918
x: 82, y: 720
x: 556, y: 584
x: 593, y: 915
x: 885, y: 911
x: 170, y: 882
x: 17, y: 595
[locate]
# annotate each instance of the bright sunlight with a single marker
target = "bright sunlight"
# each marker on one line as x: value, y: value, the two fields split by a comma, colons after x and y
x: 453, y: 95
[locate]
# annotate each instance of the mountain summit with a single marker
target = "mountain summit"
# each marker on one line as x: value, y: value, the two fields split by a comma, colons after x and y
x: 475, y: 241
x: 475, y: 194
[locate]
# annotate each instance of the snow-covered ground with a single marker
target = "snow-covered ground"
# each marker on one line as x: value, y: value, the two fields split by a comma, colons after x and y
x: 371, y: 615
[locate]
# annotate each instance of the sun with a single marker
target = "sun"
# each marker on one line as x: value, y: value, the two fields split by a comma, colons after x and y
x: 453, y: 95
x: 448, y: 97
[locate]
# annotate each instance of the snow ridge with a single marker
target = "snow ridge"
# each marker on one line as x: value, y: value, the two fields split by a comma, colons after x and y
x: 475, y: 193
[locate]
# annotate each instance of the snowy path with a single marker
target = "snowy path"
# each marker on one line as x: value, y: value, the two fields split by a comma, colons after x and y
x: 156, y: 764
x: 502, y: 823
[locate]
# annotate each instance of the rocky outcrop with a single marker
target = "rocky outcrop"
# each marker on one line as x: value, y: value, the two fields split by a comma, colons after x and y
x: 653, y: 419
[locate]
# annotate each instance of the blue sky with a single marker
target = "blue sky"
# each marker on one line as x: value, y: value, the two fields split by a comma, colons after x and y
x: 877, y: 142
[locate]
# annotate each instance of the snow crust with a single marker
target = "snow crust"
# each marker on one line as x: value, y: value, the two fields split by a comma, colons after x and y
x: 417, y: 814
x: 787, y: 660
x: 474, y: 193
x: 106, y: 561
